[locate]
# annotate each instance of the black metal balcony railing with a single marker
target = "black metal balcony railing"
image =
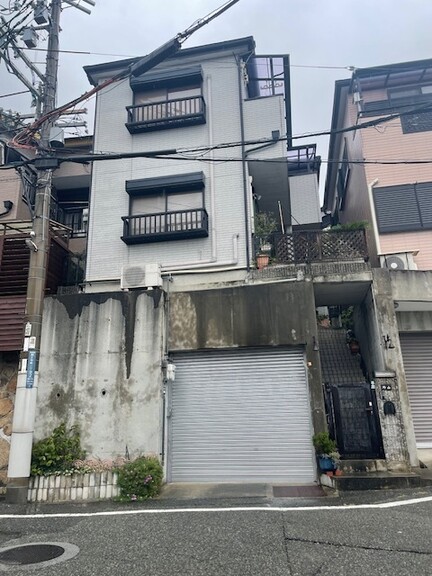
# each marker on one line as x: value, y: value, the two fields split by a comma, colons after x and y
x: 165, y: 226
x: 319, y: 246
x: 166, y: 114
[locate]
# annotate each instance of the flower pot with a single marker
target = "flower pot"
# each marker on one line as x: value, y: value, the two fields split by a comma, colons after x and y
x: 354, y: 347
x: 326, y: 463
x: 262, y: 260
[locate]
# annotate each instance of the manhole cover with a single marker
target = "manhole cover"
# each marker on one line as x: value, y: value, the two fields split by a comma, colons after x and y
x: 31, y: 554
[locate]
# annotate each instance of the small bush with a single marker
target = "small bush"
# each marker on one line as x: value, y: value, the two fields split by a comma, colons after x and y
x: 324, y: 444
x: 140, y: 479
x: 58, y: 452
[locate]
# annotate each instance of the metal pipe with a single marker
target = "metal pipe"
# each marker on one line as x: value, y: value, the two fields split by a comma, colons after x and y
x: 248, y: 234
x: 373, y: 215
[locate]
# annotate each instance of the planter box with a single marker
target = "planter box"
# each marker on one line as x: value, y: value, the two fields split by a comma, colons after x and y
x: 78, y: 487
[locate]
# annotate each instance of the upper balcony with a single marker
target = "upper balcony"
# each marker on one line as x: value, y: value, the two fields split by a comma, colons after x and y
x: 160, y: 226
x: 163, y: 115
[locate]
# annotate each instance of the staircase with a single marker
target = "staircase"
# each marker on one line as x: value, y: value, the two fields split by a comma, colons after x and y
x: 338, y: 365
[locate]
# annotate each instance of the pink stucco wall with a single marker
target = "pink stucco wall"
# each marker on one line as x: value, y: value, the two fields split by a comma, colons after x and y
x: 387, y: 142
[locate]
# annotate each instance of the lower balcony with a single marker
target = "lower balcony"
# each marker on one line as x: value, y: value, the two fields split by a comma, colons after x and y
x: 163, y: 226
x: 167, y: 114
x: 304, y: 247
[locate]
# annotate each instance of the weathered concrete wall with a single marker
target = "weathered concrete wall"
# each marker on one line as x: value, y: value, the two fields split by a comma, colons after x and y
x: 414, y: 321
x: 101, y: 368
x: 8, y: 380
x: 392, y: 425
x: 411, y: 285
x: 260, y: 315
x: 387, y: 326
x: 367, y: 333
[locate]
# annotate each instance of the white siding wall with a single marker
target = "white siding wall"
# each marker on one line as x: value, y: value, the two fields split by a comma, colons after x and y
x: 305, y: 207
x: 109, y: 201
x: 262, y: 116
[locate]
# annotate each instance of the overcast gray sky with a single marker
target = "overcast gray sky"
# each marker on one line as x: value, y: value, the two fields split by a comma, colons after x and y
x: 334, y: 33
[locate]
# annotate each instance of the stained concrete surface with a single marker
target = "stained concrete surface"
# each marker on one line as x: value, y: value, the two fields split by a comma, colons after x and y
x: 354, y: 542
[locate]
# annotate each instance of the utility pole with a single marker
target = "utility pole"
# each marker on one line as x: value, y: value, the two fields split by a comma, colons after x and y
x: 26, y: 392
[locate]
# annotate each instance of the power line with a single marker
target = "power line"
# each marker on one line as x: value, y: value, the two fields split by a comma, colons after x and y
x: 14, y: 93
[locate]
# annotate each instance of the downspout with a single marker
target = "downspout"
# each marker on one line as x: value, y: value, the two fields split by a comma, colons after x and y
x: 373, y: 215
x: 205, y: 264
x: 213, y: 238
x: 164, y: 370
x: 243, y: 153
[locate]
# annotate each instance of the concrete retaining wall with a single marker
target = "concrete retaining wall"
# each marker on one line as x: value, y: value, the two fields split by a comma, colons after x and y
x: 91, y: 486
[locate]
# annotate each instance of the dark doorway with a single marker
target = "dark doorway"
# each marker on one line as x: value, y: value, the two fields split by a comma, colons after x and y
x: 353, y: 420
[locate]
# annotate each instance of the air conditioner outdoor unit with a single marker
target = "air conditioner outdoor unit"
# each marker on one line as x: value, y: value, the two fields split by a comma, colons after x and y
x: 399, y: 261
x: 147, y: 276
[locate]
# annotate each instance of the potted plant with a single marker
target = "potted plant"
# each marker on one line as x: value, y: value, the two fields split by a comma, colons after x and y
x: 265, y: 225
x: 326, y: 450
x: 353, y: 343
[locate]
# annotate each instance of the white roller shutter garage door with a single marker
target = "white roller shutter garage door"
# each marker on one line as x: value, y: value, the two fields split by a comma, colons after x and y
x: 417, y: 358
x: 240, y: 416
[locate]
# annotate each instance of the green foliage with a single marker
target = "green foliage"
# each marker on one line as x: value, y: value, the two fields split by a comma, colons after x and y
x: 347, y: 318
x: 140, y: 479
x: 361, y: 225
x: 58, y: 452
x: 324, y: 444
x: 265, y: 224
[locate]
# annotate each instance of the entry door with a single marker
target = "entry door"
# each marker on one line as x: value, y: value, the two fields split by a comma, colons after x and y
x: 241, y: 416
x: 356, y: 423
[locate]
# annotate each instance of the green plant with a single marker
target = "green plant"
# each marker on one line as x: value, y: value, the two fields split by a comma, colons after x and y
x: 323, y: 444
x: 140, y: 479
x: 265, y: 224
x: 347, y: 319
x: 361, y: 225
x: 58, y: 452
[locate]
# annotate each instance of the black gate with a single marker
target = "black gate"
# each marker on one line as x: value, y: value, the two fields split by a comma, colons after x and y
x: 353, y: 420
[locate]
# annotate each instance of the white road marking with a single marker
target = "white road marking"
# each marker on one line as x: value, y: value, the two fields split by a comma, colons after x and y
x: 393, y: 504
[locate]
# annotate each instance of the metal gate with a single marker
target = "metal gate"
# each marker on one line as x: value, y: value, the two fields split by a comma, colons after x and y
x: 417, y: 358
x: 240, y: 416
x: 353, y: 419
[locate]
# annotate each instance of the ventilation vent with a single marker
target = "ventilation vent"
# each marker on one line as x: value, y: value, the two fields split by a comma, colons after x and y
x: 147, y: 276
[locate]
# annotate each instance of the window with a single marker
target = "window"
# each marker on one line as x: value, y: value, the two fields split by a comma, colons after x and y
x: 167, y: 208
x: 404, y: 208
x: 166, y: 99
x: 343, y: 177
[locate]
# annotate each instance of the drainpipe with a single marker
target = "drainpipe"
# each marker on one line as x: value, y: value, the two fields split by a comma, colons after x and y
x: 213, y: 237
x: 373, y: 214
x: 205, y: 264
x: 243, y: 153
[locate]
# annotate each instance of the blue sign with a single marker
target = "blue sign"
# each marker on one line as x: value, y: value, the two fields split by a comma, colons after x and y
x: 31, y: 368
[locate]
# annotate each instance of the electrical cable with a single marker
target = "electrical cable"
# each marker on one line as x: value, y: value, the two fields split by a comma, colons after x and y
x: 14, y: 93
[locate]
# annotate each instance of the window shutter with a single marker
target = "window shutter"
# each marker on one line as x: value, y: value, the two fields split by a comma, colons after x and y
x: 396, y: 208
x: 424, y: 197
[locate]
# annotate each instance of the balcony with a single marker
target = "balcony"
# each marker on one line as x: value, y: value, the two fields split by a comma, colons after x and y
x: 167, y: 114
x: 165, y: 226
x: 306, y: 247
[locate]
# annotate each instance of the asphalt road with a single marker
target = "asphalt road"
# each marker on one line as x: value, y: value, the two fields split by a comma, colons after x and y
x: 183, y: 539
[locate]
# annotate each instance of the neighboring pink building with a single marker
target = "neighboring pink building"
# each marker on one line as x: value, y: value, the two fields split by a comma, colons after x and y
x: 382, y: 174
x: 396, y: 199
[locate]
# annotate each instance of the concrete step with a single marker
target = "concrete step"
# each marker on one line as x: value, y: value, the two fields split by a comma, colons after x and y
x: 376, y: 481
x: 425, y: 475
x: 350, y: 466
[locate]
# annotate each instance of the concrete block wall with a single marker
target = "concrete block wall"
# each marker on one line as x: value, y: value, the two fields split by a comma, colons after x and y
x: 91, y: 486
